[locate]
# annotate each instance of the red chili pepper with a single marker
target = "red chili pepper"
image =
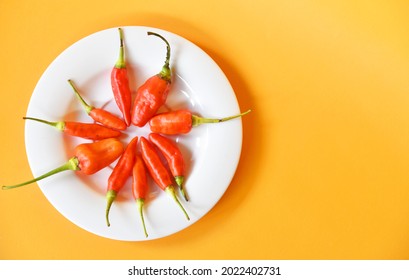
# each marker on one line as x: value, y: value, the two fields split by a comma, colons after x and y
x: 100, y: 115
x: 158, y: 171
x: 88, y: 159
x: 140, y: 187
x: 90, y: 131
x: 122, y: 171
x: 174, y: 158
x: 153, y: 93
x: 182, y: 121
x: 120, y: 83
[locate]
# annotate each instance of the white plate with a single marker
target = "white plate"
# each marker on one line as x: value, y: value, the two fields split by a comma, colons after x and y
x: 211, y: 151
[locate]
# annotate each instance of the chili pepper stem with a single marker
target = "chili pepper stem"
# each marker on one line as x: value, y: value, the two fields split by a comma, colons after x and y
x: 165, y: 73
x: 170, y: 190
x: 110, y: 196
x: 179, y: 181
x: 139, y: 204
x: 71, y: 164
x: 58, y: 125
x: 120, y: 63
x: 196, y: 120
x: 87, y: 107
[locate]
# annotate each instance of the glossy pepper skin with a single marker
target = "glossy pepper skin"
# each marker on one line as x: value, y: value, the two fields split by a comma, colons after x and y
x: 153, y: 93
x: 120, y: 174
x: 174, y: 158
x: 88, y: 159
x: 174, y: 122
x: 140, y: 187
x: 107, y: 119
x: 120, y: 83
x: 91, y: 131
x: 94, y: 156
x: 158, y: 171
x: 182, y: 121
x: 98, y: 114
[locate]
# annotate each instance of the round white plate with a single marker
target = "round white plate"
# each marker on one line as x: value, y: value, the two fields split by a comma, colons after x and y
x: 211, y: 151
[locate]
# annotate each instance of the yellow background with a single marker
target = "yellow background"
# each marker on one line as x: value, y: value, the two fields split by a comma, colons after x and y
x: 324, y: 166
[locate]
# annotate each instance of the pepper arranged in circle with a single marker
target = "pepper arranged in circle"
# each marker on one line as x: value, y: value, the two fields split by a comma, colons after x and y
x: 120, y: 83
x: 174, y: 157
x: 140, y: 187
x: 100, y: 115
x: 91, y: 131
x: 182, y: 121
x: 122, y: 171
x: 88, y: 159
x: 153, y: 93
x: 158, y: 171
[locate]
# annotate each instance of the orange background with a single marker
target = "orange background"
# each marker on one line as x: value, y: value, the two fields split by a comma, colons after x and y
x: 324, y: 166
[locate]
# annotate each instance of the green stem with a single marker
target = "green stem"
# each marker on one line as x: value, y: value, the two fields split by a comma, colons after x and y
x: 165, y: 73
x: 196, y: 120
x: 71, y: 164
x: 179, y: 181
x: 87, y: 107
x: 110, y: 196
x: 139, y: 203
x: 120, y: 63
x: 58, y: 125
x: 170, y: 190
